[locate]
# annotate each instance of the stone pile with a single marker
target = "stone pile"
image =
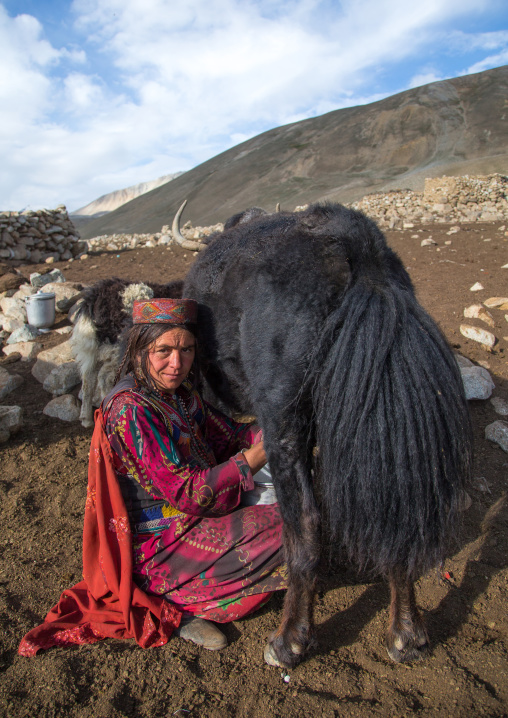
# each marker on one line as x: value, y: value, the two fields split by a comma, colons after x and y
x: 445, y: 199
x: 54, y: 368
x: 39, y: 236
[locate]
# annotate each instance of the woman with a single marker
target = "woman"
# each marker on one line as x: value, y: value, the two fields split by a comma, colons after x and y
x: 165, y: 544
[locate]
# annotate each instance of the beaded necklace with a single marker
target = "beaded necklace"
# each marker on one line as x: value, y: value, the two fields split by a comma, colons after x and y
x: 198, y: 448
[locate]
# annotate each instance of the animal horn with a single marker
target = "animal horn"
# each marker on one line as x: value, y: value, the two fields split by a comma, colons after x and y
x: 277, y: 207
x: 178, y: 236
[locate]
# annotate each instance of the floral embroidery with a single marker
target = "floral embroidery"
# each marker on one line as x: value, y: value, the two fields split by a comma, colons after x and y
x: 91, y: 496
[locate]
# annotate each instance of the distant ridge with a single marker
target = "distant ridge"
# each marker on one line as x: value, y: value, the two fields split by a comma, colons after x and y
x: 111, y: 201
x: 453, y: 127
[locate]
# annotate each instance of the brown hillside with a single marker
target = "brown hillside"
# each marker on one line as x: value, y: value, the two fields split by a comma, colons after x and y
x: 452, y: 127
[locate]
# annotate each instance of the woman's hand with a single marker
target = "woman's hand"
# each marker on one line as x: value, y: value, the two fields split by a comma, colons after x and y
x: 255, y: 457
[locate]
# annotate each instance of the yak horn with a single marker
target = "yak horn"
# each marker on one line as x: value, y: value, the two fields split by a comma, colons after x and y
x: 178, y: 236
x: 277, y: 207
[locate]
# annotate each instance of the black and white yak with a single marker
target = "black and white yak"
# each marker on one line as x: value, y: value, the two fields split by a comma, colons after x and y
x: 310, y: 322
x: 103, y: 316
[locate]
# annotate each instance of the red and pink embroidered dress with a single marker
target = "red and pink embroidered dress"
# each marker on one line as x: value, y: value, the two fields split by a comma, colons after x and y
x: 173, y: 467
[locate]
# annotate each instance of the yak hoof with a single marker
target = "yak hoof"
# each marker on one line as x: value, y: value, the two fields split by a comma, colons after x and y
x: 409, y: 653
x: 271, y: 658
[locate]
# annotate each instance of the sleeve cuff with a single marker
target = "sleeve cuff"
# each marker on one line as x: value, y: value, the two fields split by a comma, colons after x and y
x: 246, y: 480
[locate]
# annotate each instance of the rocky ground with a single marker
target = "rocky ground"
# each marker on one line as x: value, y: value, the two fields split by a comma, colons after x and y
x: 43, y: 488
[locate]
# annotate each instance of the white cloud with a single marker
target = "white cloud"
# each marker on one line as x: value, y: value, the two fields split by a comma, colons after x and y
x: 164, y: 85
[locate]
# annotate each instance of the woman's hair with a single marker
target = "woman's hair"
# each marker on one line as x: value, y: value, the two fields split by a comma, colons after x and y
x: 140, y: 340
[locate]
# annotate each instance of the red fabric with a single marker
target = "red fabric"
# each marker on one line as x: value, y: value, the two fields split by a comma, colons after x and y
x: 107, y: 603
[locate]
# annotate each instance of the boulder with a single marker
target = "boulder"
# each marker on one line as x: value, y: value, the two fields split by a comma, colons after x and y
x: 50, y: 359
x: 8, y: 382
x: 66, y: 408
x: 66, y: 294
x: 498, y: 433
x: 27, y: 350
x: 9, y: 324
x: 10, y: 281
x: 11, y: 420
x: 62, y: 378
x: 14, y: 308
x: 25, y: 290
x: 26, y: 333
x: 40, y: 280
x: 463, y: 361
x: 477, y: 382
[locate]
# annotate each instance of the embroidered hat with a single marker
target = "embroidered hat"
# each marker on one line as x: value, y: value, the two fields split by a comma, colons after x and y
x: 165, y: 311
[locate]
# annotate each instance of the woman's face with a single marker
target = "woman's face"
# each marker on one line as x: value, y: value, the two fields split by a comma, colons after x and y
x: 170, y: 358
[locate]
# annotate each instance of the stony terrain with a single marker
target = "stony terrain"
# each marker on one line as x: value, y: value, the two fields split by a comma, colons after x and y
x: 43, y: 488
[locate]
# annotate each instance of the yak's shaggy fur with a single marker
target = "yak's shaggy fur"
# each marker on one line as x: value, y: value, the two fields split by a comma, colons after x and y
x: 310, y: 322
x: 104, y: 314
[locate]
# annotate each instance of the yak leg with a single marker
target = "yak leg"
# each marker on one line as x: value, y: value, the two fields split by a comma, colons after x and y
x: 407, y: 638
x: 302, y: 551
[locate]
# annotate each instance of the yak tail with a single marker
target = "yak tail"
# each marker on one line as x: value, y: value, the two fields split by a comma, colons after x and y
x: 393, y: 429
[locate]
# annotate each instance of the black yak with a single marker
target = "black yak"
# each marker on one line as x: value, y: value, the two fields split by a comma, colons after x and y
x: 310, y: 322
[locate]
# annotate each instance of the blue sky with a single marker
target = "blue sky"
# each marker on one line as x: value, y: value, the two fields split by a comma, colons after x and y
x: 97, y: 95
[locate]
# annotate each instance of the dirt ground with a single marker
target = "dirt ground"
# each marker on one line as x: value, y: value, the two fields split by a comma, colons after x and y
x: 43, y: 487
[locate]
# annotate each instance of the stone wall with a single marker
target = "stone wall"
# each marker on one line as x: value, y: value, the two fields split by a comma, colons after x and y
x: 37, y: 236
x: 445, y: 199
x: 49, y: 235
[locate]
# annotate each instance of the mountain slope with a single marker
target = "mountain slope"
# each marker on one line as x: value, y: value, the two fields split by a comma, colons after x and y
x: 454, y: 127
x: 111, y: 201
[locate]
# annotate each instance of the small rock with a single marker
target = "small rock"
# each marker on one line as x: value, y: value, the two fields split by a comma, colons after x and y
x: 62, y: 378
x: 25, y: 334
x: 27, y: 350
x: 477, y: 382
x: 498, y: 433
x: 495, y: 301
x: 11, y: 420
x: 477, y: 311
x: 427, y: 242
x: 84, y: 256
x: 8, y: 382
x: 463, y: 361
x: 478, y: 335
x: 40, y: 280
x: 63, y: 330
x: 476, y: 287
x: 500, y: 405
x: 66, y: 408
x: 50, y: 359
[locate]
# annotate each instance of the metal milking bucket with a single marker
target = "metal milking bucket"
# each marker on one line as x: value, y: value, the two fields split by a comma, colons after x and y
x: 40, y: 309
x: 263, y: 491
